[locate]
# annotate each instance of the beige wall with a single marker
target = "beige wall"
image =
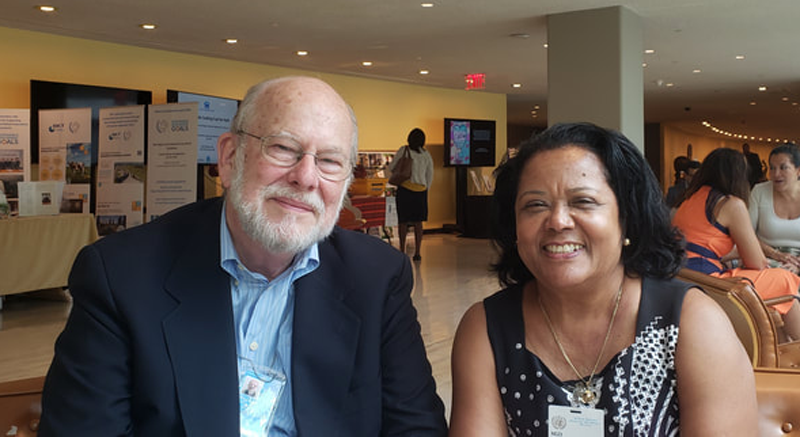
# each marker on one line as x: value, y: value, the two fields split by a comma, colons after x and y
x: 675, y: 139
x: 386, y: 111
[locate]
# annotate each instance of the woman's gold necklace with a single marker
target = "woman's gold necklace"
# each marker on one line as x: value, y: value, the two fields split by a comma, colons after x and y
x: 583, y: 390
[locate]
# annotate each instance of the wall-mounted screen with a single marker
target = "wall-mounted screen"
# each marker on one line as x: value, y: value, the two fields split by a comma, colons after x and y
x: 57, y: 95
x: 214, y: 116
x: 469, y: 143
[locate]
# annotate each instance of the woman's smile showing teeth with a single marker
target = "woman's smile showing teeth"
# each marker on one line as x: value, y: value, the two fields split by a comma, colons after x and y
x: 563, y: 248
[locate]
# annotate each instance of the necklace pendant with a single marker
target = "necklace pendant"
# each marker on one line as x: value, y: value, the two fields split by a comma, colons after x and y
x: 584, y: 394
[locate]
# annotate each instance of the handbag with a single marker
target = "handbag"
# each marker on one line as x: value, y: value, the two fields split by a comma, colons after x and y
x: 402, y: 170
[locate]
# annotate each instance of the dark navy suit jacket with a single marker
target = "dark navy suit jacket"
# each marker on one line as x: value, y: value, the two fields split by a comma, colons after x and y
x: 149, y: 347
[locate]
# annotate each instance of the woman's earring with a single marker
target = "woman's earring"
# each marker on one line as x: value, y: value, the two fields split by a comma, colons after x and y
x: 626, y: 242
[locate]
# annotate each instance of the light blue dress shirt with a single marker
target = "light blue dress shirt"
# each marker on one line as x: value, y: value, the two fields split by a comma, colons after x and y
x: 263, y: 312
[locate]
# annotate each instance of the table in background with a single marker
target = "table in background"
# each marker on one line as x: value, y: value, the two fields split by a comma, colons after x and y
x: 37, y: 253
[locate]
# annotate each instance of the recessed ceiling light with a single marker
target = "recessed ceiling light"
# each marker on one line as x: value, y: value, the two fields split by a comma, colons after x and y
x: 762, y: 88
x: 231, y: 40
x: 536, y: 107
x: 785, y: 99
x: 752, y: 103
x: 148, y: 26
x: 739, y: 57
x: 426, y: 5
x: 424, y: 72
x: 649, y: 51
x: 46, y: 8
x: 644, y: 64
x: 367, y: 63
x: 516, y: 85
x: 696, y: 70
x: 520, y: 35
x: 545, y: 45
x: 301, y: 53
x: 794, y: 103
x: 670, y: 84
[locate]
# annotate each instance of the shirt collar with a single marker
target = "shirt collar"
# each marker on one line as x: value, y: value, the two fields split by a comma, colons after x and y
x: 303, y: 263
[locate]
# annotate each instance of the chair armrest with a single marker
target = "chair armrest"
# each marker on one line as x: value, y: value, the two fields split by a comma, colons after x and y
x: 778, y: 392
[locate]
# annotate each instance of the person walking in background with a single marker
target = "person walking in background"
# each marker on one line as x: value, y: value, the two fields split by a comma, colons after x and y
x: 775, y: 208
x: 412, y: 195
x: 755, y: 170
x: 715, y: 221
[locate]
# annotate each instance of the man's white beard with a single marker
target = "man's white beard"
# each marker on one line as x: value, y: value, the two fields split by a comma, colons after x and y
x: 285, y: 236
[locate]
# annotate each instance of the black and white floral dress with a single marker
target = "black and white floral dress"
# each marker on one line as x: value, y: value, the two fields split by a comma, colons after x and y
x: 637, y: 389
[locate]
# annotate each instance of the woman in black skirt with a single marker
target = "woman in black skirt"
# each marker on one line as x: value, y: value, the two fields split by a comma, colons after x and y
x: 412, y: 195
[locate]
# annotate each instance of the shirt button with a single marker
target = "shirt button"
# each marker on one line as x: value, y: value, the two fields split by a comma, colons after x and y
x: 236, y: 282
x: 253, y: 346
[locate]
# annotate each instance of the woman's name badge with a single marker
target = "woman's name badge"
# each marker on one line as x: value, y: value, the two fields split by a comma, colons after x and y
x: 259, y: 393
x: 574, y: 422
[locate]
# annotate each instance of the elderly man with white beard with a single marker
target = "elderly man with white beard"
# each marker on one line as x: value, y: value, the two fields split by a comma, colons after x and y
x: 251, y: 314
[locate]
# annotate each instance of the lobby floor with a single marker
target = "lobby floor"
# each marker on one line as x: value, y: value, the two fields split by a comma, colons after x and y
x: 452, y: 275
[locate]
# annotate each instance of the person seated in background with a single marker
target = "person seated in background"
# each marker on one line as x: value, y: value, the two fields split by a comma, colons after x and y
x: 775, y: 208
x: 715, y: 220
x: 591, y: 322
x: 685, y: 168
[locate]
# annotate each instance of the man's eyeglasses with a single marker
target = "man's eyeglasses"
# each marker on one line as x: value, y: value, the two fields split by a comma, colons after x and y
x: 285, y: 152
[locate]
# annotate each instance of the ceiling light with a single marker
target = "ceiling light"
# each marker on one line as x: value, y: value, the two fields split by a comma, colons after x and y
x: 427, y: 5
x: 520, y: 35
x: 644, y: 64
x: 762, y: 88
x: 649, y: 51
x: 424, y: 72
x: 302, y: 53
x: 545, y: 45
x: 785, y: 99
x: 516, y: 85
x: 794, y: 103
x: 231, y: 40
x: 752, y: 103
x: 367, y: 63
x: 534, y: 116
x: 739, y: 57
x: 696, y: 70
x: 148, y: 26
x: 46, y: 8
x: 670, y: 84
x: 536, y: 107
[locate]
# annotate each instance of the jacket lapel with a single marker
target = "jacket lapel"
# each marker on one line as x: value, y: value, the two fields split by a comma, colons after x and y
x: 199, y: 334
x: 324, y: 343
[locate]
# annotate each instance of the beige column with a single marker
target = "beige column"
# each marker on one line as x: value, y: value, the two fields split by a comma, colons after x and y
x: 594, y: 70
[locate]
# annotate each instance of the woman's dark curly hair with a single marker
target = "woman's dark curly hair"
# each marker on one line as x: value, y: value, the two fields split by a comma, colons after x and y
x: 656, y: 247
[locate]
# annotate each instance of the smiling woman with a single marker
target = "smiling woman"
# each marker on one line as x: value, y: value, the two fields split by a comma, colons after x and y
x: 589, y: 322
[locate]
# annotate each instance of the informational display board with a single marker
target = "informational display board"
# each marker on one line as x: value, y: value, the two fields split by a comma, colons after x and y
x: 172, y: 157
x: 214, y: 117
x: 65, y: 141
x: 15, y: 160
x: 121, y: 175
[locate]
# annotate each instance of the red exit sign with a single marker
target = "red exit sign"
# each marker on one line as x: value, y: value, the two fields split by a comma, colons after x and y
x: 475, y: 81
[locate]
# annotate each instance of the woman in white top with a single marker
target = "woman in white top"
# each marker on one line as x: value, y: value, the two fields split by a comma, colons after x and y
x: 412, y: 195
x: 775, y: 208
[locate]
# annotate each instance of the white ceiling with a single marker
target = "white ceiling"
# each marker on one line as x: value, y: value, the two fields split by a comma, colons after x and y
x: 457, y: 37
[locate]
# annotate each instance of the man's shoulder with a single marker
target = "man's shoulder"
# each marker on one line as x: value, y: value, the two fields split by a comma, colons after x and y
x: 362, y: 249
x: 174, y: 225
